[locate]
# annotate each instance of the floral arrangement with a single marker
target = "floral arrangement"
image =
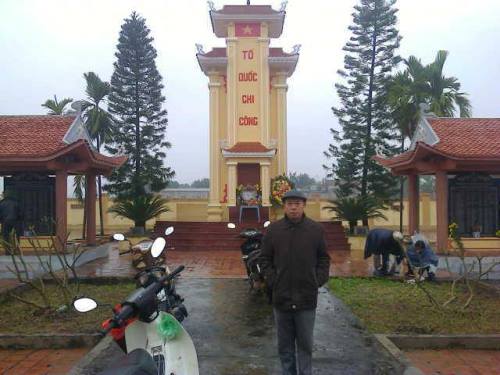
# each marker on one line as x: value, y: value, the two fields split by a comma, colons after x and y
x: 253, y: 188
x: 453, y: 230
x: 497, y: 233
x: 279, y: 186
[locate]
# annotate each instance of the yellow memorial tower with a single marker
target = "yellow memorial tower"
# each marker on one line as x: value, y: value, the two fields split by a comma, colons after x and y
x: 247, y: 88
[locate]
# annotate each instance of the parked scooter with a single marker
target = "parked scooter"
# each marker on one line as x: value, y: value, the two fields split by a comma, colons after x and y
x: 250, y: 250
x: 146, y: 325
x: 141, y: 252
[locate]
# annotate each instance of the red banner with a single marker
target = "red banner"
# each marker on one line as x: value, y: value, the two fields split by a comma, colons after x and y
x: 247, y: 29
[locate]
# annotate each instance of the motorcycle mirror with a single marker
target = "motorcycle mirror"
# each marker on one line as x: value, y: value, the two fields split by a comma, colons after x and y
x: 231, y: 225
x: 84, y: 304
x: 169, y: 231
x: 157, y: 247
x: 118, y: 237
x: 266, y: 224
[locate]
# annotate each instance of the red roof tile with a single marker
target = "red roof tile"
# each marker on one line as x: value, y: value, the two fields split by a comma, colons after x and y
x: 32, y: 135
x: 467, y: 137
x: 243, y: 147
x: 247, y: 9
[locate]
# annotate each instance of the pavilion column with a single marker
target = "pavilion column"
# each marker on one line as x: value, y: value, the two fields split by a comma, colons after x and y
x: 90, y: 202
x: 61, y: 206
x: 231, y: 184
x: 442, y: 210
x: 413, y: 204
x: 265, y: 183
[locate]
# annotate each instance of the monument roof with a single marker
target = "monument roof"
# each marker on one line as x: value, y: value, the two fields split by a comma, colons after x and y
x: 248, y: 149
x: 247, y: 13
x: 279, y: 60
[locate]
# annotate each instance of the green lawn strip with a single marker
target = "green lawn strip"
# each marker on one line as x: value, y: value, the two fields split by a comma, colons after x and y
x: 18, y: 317
x: 388, y: 306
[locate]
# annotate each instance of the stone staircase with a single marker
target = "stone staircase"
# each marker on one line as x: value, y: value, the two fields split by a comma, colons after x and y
x: 216, y: 236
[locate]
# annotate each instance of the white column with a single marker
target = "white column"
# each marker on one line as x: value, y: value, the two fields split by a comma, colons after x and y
x: 214, y: 88
x: 231, y: 183
x: 265, y: 182
x: 231, y: 89
x: 264, y: 89
x: 281, y: 109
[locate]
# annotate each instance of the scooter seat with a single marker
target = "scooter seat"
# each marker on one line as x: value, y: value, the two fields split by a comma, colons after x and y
x: 137, y: 362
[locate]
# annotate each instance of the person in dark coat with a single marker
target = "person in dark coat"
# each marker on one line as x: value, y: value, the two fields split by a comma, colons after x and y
x: 295, y: 263
x: 381, y: 243
x: 9, y: 215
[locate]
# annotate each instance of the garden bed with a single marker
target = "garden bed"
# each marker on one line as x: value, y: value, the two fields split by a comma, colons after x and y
x: 394, y: 307
x: 20, y: 318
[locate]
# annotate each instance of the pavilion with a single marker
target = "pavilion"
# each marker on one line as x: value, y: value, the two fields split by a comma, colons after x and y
x: 37, y: 153
x: 464, y: 156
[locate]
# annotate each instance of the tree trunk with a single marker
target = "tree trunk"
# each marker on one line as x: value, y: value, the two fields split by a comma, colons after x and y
x: 99, y: 187
x: 364, y: 180
x: 401, y: 190
x: 84, y: 231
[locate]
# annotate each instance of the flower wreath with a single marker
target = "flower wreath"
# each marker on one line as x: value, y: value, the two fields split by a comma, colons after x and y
x: 279, y: 186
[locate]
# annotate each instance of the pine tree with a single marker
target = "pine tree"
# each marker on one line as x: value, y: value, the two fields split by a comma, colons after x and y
x: 363, y: 113
x: 136, y: 102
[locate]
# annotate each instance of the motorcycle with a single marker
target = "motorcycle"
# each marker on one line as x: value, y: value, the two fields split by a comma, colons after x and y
x: 146, y: 325
x: 250, y: 250
x: 141, y: 252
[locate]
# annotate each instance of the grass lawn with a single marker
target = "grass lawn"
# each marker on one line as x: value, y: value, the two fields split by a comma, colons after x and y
x: 18, y: 317
x: 387, y: 306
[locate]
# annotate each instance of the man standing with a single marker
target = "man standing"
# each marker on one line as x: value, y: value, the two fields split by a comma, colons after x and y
x: 296, y: 264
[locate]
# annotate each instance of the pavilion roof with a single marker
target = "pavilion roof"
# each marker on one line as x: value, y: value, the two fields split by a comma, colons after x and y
x: 468, y: 140
x: 37, y: 139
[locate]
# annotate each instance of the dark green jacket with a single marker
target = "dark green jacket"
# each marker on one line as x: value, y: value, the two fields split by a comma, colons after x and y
x: 295, y: 263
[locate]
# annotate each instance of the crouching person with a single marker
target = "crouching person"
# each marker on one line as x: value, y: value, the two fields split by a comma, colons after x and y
x: 381, y: 243
x: 421, y: 256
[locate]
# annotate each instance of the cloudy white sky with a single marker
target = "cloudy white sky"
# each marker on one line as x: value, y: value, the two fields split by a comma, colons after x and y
x: 47, y: 45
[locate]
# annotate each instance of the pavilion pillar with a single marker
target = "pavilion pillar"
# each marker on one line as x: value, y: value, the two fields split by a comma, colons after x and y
x: 61, y: 206
x: 442, y: 210
x: 90, y: 203
x: 413, y: 204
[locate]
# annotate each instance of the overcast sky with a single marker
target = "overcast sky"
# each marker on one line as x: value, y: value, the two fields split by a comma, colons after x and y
x: 47, y: 45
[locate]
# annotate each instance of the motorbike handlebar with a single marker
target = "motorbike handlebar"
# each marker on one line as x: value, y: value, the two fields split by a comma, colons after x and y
x: 129, y: 308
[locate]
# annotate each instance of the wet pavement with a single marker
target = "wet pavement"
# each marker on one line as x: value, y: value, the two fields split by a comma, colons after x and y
x: 233, y: 332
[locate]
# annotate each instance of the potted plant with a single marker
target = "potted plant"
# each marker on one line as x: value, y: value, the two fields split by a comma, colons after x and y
x: 476, y: 230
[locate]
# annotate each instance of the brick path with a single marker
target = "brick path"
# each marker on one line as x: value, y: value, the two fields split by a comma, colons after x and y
x: 39, y: 362
x: 456, y: 361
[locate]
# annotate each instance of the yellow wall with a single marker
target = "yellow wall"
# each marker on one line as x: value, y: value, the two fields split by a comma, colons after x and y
x: 196, y: 210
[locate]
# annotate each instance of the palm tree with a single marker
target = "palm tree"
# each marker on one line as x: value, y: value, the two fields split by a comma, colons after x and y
x: 444, y: 92
x: 55, y: 107
x: 140, y: 209
x: 98, y: 121
x: 418, y: 85
x: 352, y: 209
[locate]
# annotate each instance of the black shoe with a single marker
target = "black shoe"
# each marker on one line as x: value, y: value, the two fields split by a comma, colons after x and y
x: 431, y: 276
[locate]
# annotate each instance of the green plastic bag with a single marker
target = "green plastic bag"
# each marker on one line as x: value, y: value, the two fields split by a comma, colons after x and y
x: 168, y: 327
